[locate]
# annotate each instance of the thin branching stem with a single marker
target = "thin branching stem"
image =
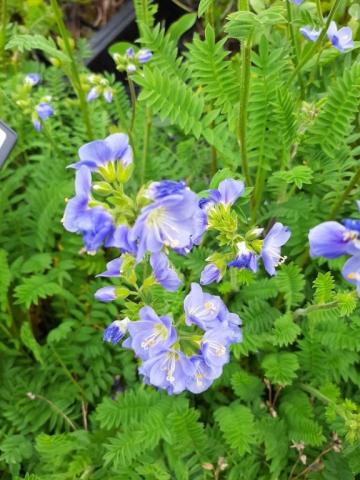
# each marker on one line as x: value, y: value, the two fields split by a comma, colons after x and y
x: 67, y: 372
x: 319, y: 11
x: 133, y: 102
x: 353, y: 183
x: 145, y: 152
x: 54, y: 407
x: 3, y: 9
x: 244, y: 100
x: 294, y: 44
x: 74, y: 72
x: 302, y: 312
x: 182, y: 5
x: 316, y: 44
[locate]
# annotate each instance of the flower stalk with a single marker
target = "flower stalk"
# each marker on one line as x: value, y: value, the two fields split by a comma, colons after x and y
x: 316, y: 44
x: 74, y: 73
x: 244, y: 100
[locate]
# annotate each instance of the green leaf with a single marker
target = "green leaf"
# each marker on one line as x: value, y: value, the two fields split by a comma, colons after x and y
x: 25, y: 42
x: 120, y: 48
x: 35, y: 288
x: 15, y: 448
x: 242, y: 24
x: 5, y: 279
x: 182, y: 25
x: 299, y: 176
x: 246, y: 386
x: 347, y: 303
x: 280, y: 368
x: 285, y: 330
x: 290, y: 282
x: 324, y: 288
x: 171, y: 99
x: 204, y: 6
x: 238, y: 427
x: 29, y: 341
x: 37, y: 263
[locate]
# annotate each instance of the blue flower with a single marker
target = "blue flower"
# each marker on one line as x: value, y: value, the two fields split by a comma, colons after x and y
x: 152, y: 334
x: 297, y: 2
x: 157, y: 190
x: 32, y: 79
x: 230, y: 325
x: 113, y: 268
x: 351, y: 271
x: 215, y: 347
x: 92, y: 94
x: 95, y: 224
x: 108, y: 95
x: 245, y: 258
x: 201, y: 308
x: 227, y: 193
x: 342, y: 38
x: 130, y: 53
x: 99, y: 153
x: 351, y: 224
x: 164, y: 274
x: 170, y: 221
x: 168, y: 370
x: 310, y: 33
x: 42, y: 111
x: 210, y: 274
x: 116, y: 331
x: 77, y: 206
x: 120, y: 238
x: 202, y: 376
x: 106, y: 294
x: 331, y: 240
x: 144, y: 55
x: 274, y: 240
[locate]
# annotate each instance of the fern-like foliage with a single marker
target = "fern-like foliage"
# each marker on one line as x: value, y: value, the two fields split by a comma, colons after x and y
x: 172, y: 99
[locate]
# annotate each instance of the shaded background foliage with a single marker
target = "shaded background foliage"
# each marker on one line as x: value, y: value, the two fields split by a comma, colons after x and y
x: 286, y: 406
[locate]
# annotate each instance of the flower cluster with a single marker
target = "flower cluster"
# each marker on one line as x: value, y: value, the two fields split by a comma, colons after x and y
x: 333, y: 239
x: 42, y: 111
x: 98, y: 86
x: 159, y: 344
x: 341, y: 38
x: 166, y: 216
x: 130, y: 61
x: 39, y: 109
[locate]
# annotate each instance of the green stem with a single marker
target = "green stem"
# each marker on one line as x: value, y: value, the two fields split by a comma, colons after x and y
x: 50, y: 139
x: 123, y: 121
x: 3, y: 34
x: 54, y: 407
x: 323, y: 398
x: 133, y: 102
x: 75, y: 76
x: 354, y: 181
x: 182, y: 5
x: 295, y: 45
x: 316, y: 44
x: 67, y: 372
x: 303, y: 312
x: 214, y: 166
x: 145, y: 146
x: 319, y: 11
x: 244, y: 99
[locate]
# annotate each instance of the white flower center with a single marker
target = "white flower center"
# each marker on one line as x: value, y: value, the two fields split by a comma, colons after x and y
x: 159, y: 334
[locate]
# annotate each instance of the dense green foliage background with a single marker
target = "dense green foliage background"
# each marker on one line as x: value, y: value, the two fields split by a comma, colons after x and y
x: 287, y: 405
